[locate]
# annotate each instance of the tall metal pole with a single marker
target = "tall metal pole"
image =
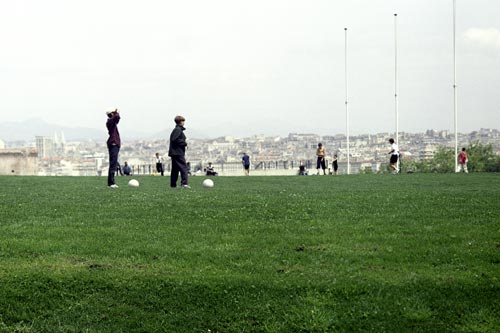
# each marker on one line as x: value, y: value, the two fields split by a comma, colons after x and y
x: 346, y: 106
x: 455, y: 84
x: 396, y: 107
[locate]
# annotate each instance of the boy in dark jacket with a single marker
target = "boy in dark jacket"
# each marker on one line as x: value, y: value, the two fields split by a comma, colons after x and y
x: 177, y: 151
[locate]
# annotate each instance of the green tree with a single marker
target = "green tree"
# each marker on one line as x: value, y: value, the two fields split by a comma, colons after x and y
x: 366, y: 171
x: 442, y: 162
x: 482, y: 158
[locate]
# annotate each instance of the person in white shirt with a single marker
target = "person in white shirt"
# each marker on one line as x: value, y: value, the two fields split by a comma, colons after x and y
x: 159, y: 163
x: 394, y: 156
x: 210, y: 170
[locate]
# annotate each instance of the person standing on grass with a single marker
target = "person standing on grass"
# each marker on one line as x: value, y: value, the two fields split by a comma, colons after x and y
x: 245, y: 160
x: 113, y: 144
x: 463, y: 158
x: 159, y: 163
x: 335, y: 165
x: 177, y: 151
x: 394, y: 156
x: 321, y: 153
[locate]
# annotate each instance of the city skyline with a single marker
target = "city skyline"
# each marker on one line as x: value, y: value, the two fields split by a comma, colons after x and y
x: 240, y: 69
x: 270, y: 155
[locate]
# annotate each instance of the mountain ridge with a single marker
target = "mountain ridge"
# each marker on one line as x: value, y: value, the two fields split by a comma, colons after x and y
x: 29, y: 129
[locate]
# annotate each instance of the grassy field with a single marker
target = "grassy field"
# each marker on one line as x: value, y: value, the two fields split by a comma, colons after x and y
x: 379, y: 253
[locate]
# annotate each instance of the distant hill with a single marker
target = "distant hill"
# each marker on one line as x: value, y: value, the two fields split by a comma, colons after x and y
x: 27, y: 131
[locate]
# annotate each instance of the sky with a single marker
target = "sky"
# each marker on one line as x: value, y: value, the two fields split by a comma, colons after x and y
x: 240, y: 68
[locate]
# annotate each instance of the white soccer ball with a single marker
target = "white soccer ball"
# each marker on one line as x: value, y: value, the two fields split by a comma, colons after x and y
x: 133, y: 183
x: 208, y: 183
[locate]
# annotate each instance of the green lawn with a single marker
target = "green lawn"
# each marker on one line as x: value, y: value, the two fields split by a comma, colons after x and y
x: 379, y: 253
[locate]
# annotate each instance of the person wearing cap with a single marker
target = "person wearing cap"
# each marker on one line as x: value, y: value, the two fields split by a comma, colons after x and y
x: 113, y: 144
x: 321, y: 153
x: 177, y: 151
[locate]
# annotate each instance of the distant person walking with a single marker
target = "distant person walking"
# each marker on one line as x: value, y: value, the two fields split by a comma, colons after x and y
x: 463, y: 158
x: 335, y: 165
x: 394, y: 156
x: 159, y: 163
x: 113, y: 144
x: 177, y: 151
x: 321, y: 153
x: 245, y: 160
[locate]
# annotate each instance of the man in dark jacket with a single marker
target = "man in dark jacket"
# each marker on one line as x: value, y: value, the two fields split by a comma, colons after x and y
x: 113, y: 144
x: 177, y: 151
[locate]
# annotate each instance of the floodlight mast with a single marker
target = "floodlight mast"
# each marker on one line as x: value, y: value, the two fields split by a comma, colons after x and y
x: 455, y: 107
x: 346, y: 104
x: 396, y: 106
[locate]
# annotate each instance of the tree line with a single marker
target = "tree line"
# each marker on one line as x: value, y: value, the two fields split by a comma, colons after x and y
x: 481, y: 158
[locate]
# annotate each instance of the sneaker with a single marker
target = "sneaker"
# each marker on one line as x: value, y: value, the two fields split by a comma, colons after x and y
x: 185, y: 186
x: 113, y: 186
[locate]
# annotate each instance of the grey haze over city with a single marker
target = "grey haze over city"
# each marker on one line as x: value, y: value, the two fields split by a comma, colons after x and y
x: 249, y: 67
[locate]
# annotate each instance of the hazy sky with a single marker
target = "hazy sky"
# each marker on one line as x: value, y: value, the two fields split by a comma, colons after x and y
x: 236, y: 67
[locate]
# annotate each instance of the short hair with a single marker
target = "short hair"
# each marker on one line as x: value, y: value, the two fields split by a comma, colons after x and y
x: 391, y: 140
x: 463, y: 149
x: 178, y: 119
x: 320, y: 144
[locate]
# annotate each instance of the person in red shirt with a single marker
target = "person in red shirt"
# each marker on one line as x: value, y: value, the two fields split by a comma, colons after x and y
x: 462, y: 161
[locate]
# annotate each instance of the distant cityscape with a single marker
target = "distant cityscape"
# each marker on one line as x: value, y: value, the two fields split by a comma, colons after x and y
x: 270, y: 155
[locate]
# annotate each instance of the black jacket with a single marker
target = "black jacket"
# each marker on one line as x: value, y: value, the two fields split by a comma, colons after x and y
x: 177, y: 142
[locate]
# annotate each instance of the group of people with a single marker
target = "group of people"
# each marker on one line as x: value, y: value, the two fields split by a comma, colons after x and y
x: 463, y: 158
x: 321, y: 162
x: 176, y: 151
x: 125, y: 170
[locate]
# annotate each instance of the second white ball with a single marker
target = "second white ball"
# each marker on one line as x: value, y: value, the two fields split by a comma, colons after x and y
x: 208, y: 183
x: 133, y: 183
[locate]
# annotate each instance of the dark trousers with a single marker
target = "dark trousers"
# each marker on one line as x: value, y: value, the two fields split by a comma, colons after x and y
x: 178, y: 165
x: 159, y: 168
x: 113, y: 163
x: 321, y: 163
